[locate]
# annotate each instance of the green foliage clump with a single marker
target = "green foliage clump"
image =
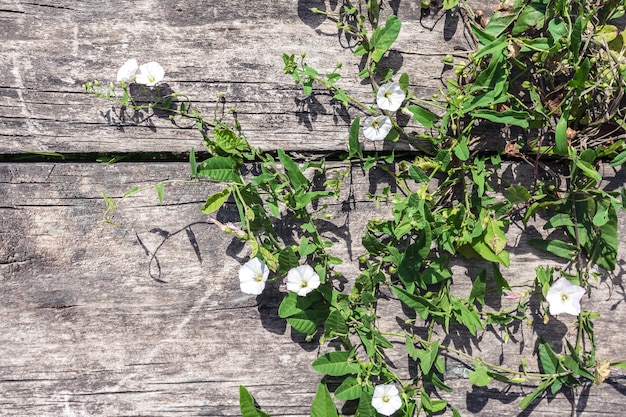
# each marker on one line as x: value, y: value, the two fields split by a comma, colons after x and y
x: 549, y: 75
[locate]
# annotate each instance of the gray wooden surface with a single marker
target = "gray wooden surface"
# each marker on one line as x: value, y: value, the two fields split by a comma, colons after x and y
x: 147, y: 319
x: 49, y: 49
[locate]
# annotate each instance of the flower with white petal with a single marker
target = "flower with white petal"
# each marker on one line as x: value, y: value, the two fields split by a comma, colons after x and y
x: 302, y: 280
x: 390, y: 96
x: 127, y: 71
x: 564, y: 297
x: 386, y: 399
x: 377, y: 127
x: 149, y: 74
x: 252, y: 276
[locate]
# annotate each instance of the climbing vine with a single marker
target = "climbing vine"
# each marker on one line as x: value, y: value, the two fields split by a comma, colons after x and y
x: 548, y: 77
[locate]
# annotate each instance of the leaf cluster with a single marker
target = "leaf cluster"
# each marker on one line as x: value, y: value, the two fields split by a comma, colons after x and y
x: 549, y: 74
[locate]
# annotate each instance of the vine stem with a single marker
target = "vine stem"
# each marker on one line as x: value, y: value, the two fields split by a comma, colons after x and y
x: 499, y: 369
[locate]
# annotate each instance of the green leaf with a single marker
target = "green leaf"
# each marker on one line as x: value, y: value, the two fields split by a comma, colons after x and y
x: 450, y: 4
x: 131, y: 191
x: 229, y: 141
x: 410, y: 347
x: 246, y: 404
x: 436, y: 272
x: 423, y: 116
x: 619, y: 159
x: 336, y: 364
x: 555, y: 246
x: 480, y: 376
x: 298, y: 180
x: 547, y: 358
x: 335, y: 323
x: 559, y: 220
x: 532, y: 16
x: 323, y: 405
x: 499, y: 22
x: 293, y: 305
x: 507, y: 117
x: 561, y: 135
x: 108, y: 201
x: 416, y: 302
x: 576, y: 37
x: 478, y: 288
x: 533, y: 395
x: 353, y: 142
x: 219, y: 168
x: 160, y: 191
x: 418, y: 175
x: 350, y: 389
x: 465, y: 316
x: 287, y: 259
x: 215, y: 201
x: 558, y: 29
x: 602, y: 215
x: 302, y: 199
x: 302, y: 323
x: 304, y: 313
x: 572, y: 364
x: 588, y: 170
x: 485, y: 252
x: 383, y: 38
x: 365, y: 403
x: 192, y: 164
x: 517, y: 194
x: 581, y: 76
x: 494, y: 47
x: 428, y: 356
x: 404, y: 81
x: 494, y: 236
x: 461, y: 150
x: 306, y: 247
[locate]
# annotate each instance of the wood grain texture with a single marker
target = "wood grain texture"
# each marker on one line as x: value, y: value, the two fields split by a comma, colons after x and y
x: 147, y: 319
x: 49, y: 49
x: 92, y: 324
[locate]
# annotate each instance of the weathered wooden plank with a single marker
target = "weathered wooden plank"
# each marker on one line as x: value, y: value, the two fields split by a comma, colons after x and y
x: 50, y: 49
x: 90, y: 326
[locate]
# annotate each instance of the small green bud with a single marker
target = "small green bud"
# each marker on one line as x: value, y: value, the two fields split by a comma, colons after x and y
x: 303, y: 55
x: 96, y: 83
x: 527, y: 85
x: 362, y: 259
x: 448, y: 59
x: 393, y: 270
x: 339, y: 65
x: 309, y: 337
x: 322, y: 340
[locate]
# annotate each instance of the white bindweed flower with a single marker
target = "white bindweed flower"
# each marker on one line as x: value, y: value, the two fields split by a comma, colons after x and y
x: 252, y: 276
x: 390, y: 96
x: 386, y: 399
x: 564, y: 297
x: 149, y: 74
x: 127, y: 71
x: 377, y: 127
x: 302, y: 280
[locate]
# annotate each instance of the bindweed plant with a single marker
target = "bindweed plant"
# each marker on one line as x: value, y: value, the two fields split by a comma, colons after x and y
x: 549, y: 76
